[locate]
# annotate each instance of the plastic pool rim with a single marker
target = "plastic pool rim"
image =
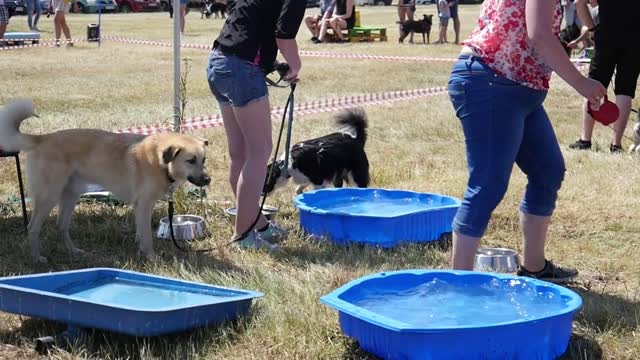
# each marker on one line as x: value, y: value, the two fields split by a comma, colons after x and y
x: 248, y: 294
x: 333, y: 300
x: 302, y: 206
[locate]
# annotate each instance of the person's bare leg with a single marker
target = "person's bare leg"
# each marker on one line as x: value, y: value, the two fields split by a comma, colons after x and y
x: 410, y: 16
x: 456, y: 28
x: 464, y: 251
x: 183, y: 13
x: 323, y: 30
x: 254, y: 121
x: 534, y: 236
x: 3, y: 28
x: 587, y: 124
x: 624, y: 104
x: 65, y: 28
x: 337, y: 28
x: 57, y: 25
x: 236, y: 145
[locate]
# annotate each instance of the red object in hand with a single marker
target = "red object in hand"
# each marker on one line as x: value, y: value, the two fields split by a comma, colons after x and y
x: 607, y: 114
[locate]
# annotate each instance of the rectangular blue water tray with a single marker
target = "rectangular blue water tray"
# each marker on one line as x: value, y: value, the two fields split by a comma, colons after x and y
x: 122, y: 301
x: 19, y: 38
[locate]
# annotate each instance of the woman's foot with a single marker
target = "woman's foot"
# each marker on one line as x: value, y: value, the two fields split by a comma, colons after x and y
x: 272, y: 233
x: 551, y: 273
x: 254, y: 241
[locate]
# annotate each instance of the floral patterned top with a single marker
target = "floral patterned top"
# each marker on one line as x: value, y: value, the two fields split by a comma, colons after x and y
x: 501, y: 40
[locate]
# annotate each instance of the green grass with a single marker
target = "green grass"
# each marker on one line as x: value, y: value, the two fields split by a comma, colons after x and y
x: 413, y: 145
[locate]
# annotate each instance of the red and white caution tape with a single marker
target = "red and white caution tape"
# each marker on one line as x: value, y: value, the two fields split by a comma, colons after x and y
x: 313, y: 107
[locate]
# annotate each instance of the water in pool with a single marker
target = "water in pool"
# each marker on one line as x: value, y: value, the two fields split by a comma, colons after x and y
x: 380, y: 206
x: 141, y: 295
x: 439, y: 303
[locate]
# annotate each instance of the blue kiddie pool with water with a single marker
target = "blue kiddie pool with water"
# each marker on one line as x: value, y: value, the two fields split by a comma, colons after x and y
x: 425, y: 314
x: 377, y: 217
x: 122, y: 301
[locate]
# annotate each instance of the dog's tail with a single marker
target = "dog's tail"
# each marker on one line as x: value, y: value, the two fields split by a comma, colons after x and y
x: 11, y: 116
x: 354, y: 122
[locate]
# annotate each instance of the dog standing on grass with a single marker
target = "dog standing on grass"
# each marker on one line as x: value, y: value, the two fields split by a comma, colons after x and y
x: 137, y: 169
x: 421, y: 27
x: 331, y: 159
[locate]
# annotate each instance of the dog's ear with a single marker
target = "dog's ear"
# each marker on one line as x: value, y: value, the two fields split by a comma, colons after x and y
x: 170, y: 153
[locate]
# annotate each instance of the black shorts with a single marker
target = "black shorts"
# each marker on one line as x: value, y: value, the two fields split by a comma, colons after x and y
x: 625, y: 61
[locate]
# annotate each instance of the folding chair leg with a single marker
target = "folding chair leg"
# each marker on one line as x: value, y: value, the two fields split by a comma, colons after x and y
x: 22, y: 198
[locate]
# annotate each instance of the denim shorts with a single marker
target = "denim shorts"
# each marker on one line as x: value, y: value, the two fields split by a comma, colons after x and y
x: 444, y: 20
x: 504, y: 123
x: 234, y: 81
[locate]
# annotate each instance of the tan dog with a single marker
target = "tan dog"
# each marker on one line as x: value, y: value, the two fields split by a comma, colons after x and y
x: 135, y: 168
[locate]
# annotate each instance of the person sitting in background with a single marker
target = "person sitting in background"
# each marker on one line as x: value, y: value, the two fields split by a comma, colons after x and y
x: 313, y: 22
x: 343, y: 18
x: 585, y: 36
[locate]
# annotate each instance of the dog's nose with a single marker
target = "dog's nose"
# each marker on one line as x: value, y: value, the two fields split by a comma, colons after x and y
x: 206, y: 180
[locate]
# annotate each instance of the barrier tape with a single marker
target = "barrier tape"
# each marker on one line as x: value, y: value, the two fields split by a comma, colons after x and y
x: 307, y: 53
x: 308, y: 108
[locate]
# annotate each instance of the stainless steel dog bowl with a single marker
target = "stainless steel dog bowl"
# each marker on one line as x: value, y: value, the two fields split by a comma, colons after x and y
x: 185, y: 227
x: 268, y: 211
x: 496, y: 260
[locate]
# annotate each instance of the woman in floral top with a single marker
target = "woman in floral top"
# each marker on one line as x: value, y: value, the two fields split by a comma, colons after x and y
x: 497, y: 89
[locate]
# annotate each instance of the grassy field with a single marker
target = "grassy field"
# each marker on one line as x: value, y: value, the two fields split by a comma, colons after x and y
x: 413, y: 145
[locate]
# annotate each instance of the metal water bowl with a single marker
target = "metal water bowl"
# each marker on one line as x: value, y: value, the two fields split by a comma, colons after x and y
x: 185, y: 227
x: 496, y: 260
x: 269, y: 212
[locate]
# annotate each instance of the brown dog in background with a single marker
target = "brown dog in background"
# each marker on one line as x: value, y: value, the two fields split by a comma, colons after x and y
x: 137, y: 169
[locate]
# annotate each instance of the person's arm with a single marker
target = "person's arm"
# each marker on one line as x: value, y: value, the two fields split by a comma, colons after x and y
x: 349, y: 10
x: 286, y: 30
x: 539, y: 19
x: 584, y: 14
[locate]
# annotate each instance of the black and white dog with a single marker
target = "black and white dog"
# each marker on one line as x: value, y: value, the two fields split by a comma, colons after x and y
x: 331, y: 159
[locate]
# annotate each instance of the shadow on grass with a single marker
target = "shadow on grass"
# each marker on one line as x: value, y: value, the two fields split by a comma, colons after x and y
x: 100, y: 344
x: 603, y: 312
x: 107, y: 234
x: 582, y: 348
x: 353, y: 351
x: 356, y: 254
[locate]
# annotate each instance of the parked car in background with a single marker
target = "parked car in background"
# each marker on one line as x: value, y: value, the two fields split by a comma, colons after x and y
x: 313, y: 3
x: 15, y: 7
x: 91, y: 6
x: 127, y: 6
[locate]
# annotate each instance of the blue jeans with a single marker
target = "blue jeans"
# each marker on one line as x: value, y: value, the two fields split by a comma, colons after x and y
x: 503, y: 123
x: 235, y: 81
x: 33, y: 12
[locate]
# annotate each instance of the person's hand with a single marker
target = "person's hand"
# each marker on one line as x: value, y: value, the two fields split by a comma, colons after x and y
x: 593, y: 91
x: 292, y: 74
x: 573, y: 44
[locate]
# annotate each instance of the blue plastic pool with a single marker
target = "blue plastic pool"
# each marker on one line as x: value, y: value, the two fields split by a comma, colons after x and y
x: 122, y: 301
x: 377, y: 217
x: 430, y: 314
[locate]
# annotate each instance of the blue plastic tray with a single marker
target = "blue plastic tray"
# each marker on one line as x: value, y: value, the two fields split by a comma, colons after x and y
x: 122, y: 301
x: 21, y: 37
x: 379, y: 217
x: 536, y: 337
